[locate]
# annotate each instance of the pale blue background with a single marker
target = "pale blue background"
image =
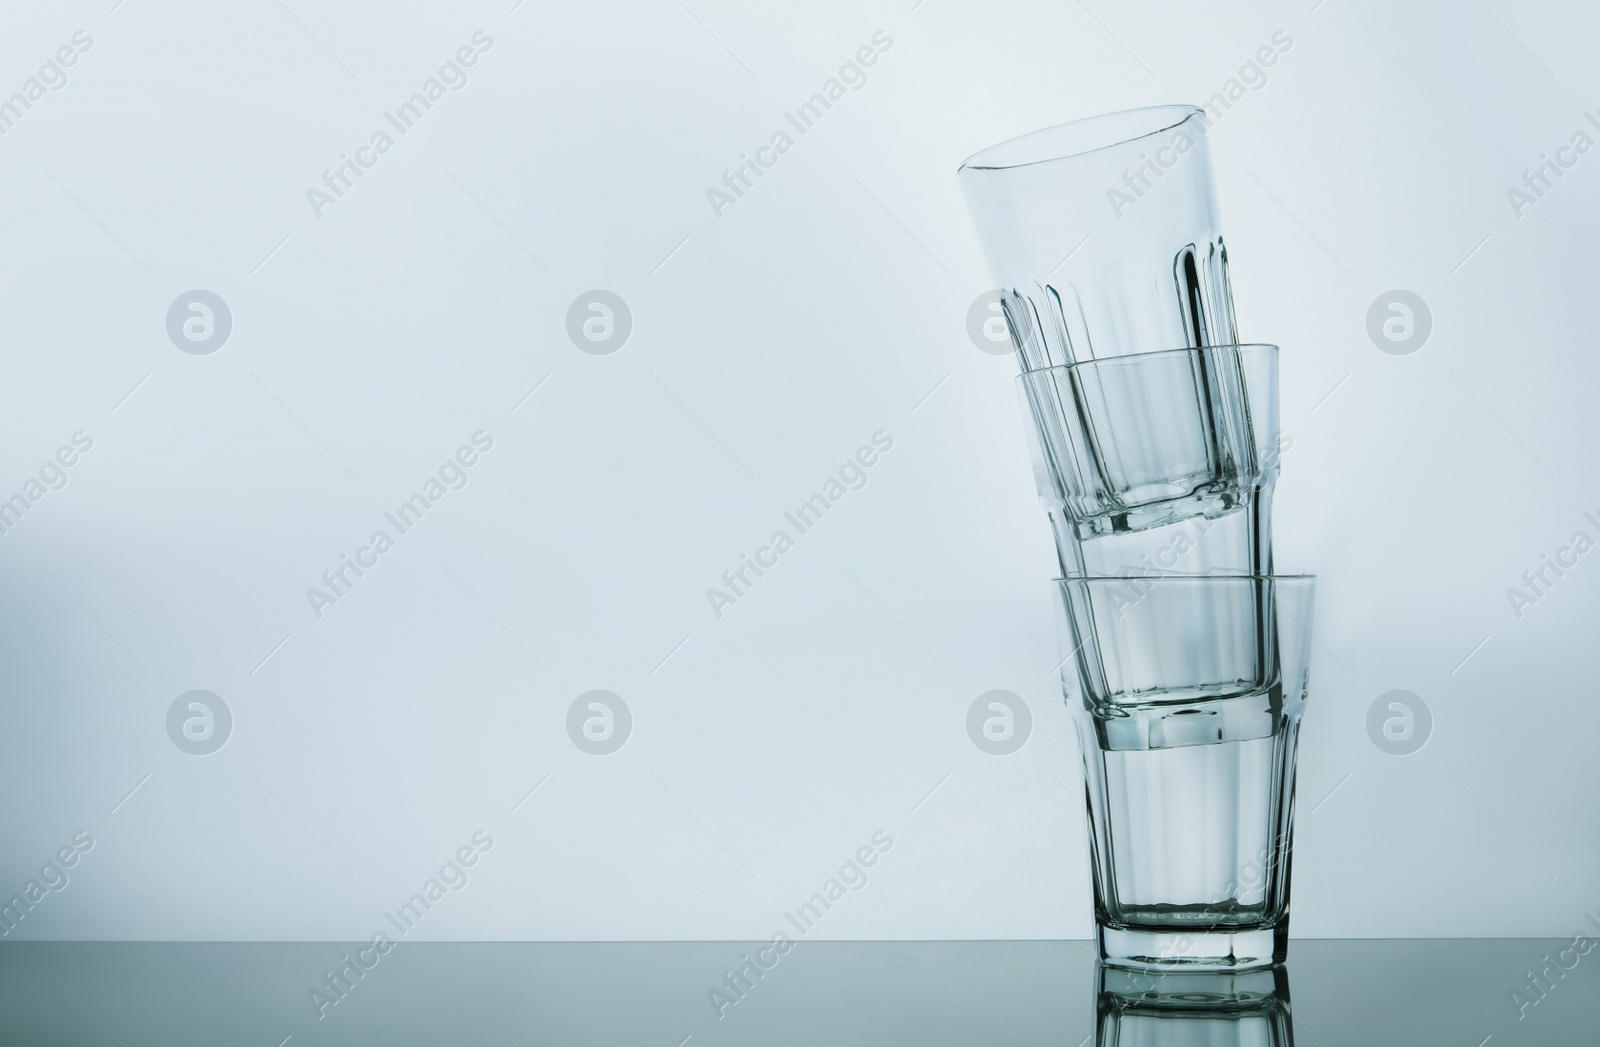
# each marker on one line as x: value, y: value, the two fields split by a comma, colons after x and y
x: 822, y: 307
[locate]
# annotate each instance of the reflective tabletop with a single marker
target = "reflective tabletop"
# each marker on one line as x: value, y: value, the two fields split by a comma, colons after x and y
x: 1466, y: 992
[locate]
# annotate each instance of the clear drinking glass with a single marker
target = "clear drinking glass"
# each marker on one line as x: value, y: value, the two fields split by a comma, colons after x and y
x: 1160, y: 461
x: 1187, y: 692
x: 1182, y: 1008
x: 1103, y: 236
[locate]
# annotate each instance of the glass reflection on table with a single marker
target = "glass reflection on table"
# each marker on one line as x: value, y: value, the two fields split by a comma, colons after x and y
x: 1192, y: 1008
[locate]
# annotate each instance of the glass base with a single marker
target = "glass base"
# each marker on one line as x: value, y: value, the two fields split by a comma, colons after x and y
x: 1207, y: 533
x: 1194, y: 950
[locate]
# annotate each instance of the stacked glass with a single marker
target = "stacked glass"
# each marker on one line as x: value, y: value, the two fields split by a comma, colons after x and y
x: 1154, y: 443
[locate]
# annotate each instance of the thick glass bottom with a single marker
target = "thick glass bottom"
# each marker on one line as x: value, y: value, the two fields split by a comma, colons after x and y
x: 1195, y: 950
x: 1201, y: 534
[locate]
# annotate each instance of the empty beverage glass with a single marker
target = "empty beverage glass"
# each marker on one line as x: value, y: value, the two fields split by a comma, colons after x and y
x: 1187, y: 692
x: 1103, y: 236
x: 1160, y: 461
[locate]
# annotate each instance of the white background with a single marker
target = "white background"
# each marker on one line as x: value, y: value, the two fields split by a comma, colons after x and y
x: 824, y: 306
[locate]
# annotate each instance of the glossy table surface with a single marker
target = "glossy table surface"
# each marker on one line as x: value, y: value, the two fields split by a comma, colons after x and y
x: 1332, y: 992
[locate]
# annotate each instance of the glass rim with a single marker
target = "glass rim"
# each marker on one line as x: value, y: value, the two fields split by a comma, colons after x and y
x: 977, y: 162
x: 1144, y: 356
x: 1180, y: 577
